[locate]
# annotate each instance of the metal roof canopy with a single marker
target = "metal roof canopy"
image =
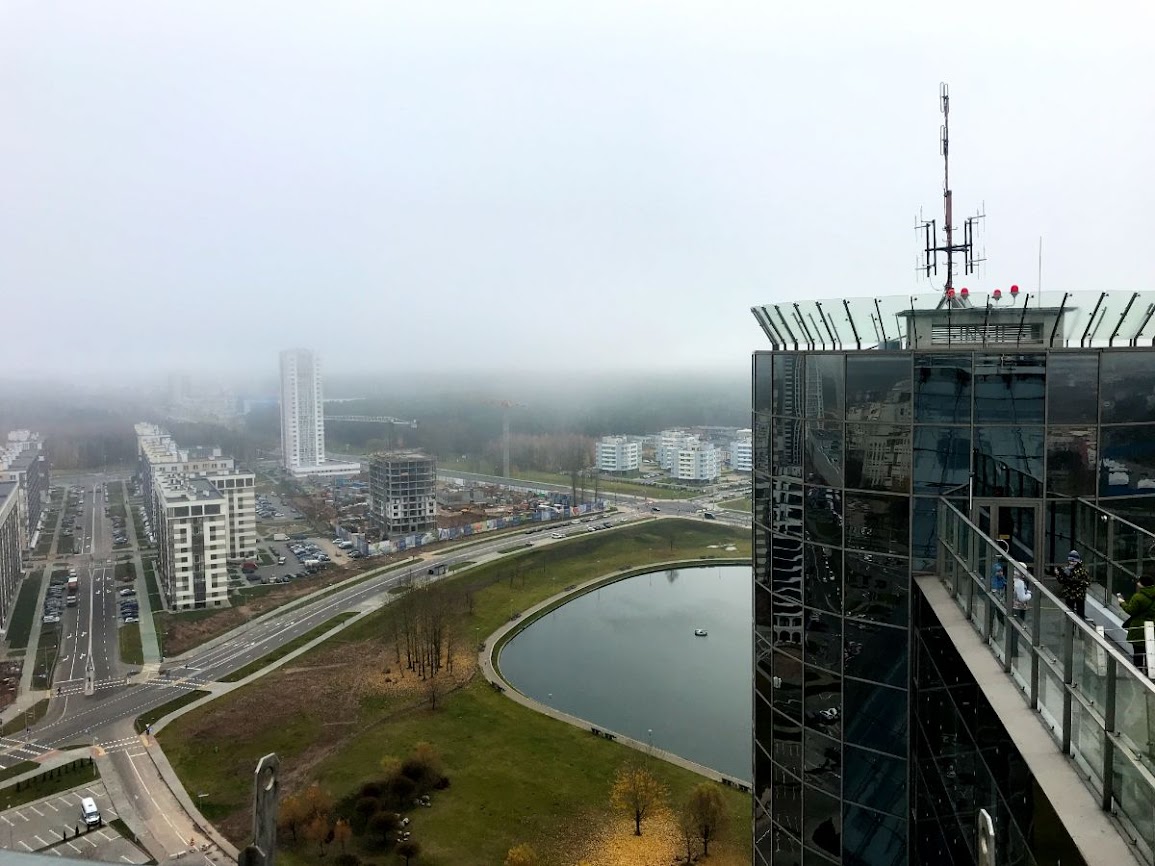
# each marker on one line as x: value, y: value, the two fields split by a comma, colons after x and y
x: 1079, y: 320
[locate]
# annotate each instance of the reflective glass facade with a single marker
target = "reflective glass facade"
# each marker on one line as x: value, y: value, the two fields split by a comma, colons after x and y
x: 852, y: 452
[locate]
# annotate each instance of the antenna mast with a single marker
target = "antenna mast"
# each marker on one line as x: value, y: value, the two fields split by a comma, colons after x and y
x: 932, y: 248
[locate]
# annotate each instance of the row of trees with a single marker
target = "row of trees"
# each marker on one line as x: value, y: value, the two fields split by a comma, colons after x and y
x: 423, y: 624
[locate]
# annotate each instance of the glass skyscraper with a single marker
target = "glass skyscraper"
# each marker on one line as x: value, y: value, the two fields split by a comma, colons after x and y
x: 874, y: 422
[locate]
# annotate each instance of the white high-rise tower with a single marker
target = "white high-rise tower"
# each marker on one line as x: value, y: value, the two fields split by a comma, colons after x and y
x: 302, y: 410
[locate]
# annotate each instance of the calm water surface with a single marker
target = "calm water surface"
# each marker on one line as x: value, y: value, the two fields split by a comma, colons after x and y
x: 625, y: 657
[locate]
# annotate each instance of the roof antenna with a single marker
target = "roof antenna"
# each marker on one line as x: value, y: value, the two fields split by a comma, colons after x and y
x: 932, y: 248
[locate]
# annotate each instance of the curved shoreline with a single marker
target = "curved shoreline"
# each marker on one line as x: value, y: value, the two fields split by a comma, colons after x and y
x: 489, y: 654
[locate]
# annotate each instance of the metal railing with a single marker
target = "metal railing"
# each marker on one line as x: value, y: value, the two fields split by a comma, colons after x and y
x: 1115, y: 550
x: 1098, y: 707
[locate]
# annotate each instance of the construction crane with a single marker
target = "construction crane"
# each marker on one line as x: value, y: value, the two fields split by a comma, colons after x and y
x: 505, y: 406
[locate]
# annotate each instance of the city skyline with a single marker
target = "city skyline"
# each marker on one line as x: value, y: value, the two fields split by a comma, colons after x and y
x: 593, y: 177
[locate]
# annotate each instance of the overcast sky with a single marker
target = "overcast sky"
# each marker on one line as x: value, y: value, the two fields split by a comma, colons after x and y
x: 441, y: 185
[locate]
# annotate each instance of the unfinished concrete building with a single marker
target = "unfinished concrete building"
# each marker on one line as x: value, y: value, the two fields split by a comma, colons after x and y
x: 403, y: 493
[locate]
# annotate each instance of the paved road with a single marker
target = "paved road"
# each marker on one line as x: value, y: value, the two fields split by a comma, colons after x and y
x: 93, y: 718
x: 89, y: 651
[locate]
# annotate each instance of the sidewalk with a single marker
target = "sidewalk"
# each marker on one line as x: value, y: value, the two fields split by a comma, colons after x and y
x: 150, y: 646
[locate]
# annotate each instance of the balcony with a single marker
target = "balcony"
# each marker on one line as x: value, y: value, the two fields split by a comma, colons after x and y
x: 1074, y: 677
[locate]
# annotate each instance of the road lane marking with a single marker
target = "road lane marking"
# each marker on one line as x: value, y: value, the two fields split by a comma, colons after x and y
x: 25, y: 844
x: 43, y: 844
x: 37, y: 811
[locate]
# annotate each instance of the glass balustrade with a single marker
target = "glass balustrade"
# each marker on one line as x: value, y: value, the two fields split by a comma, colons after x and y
x: 1098, y: 707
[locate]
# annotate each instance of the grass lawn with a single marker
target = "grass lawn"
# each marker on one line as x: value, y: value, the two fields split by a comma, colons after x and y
x: 553, y: 779
x: 18, y: 769
x: 131, y: 652
x: 281, y: 652
x: 26, y: 719
x: 125, y: 571
x: 46, y: 652
x: 65, y: 778
x: 21, y: 625
x: 740, y: 504
x: 163, y: 710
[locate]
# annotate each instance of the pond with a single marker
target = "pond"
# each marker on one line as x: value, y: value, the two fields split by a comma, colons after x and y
x: 625, y: 658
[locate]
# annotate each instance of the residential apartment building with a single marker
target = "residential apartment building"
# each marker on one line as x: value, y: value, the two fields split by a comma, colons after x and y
x: 669, y: 443
x: 303, y: 418
x: 742, y: 452
x: 192, y: 535
x: 403, y: 493
x: 902, y: 716
x: 697, y: 462
x: 618, y: 454
x: 198, y: 500
x: 23, y: 462
x: 11, y: 564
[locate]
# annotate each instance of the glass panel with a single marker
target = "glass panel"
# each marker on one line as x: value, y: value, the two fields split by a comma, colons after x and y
x: 762, y: 383
x: 1128, y: 383
x: 875, y: 652
x: 1008, y: 461
x: 1051, y: 702
x: 1072, y: 461
x: 821, y: 822
x: 942, y: 388
x: 1134, y: 797
x: 877, y: 522
x: 822, y: 762
x: 1072, y: 388
x: 786, y: 742
x: 878, y: 457
x: 878, y: 388
x: 760, y: 443
x: 924, y: 535
x: 1009, y: 389
x: 875, y: 716
x: 825, y: 386
x: 824, y: 578
x: 1128, y: 460
x: 824, y: 515
x: 942, y: 458
x: 873, y: 838
x: 874, y: 780
x: 1087, y: 744
x: 763, y: 609
x: 1134, y: 705
x: 786, y: 498
x: 822, y: 696
x: 786, y: 448
x: 877, y: 587
x: 780, y: 849
x: 787, y: 684
x: 787, y: 385
x: 824, y: 453
x: 823, y: 641
x: 787, y: 799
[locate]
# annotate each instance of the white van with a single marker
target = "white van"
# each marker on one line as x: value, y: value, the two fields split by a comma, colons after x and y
x: 89, y: 814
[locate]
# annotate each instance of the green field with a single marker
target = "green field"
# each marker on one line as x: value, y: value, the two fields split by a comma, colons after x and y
x: 131, y: 652
x: 152, y: 716
x: 26, y: 719
x: 25, y: 611
x: 279, y: 653
x: 548, y: 773
x: 65, y: 778
x: 740, y: 504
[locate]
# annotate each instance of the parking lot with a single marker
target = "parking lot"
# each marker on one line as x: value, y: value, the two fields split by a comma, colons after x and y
x: 43, y: 824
